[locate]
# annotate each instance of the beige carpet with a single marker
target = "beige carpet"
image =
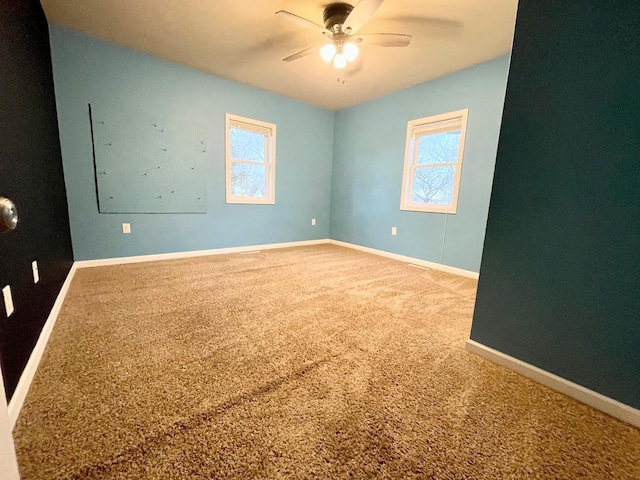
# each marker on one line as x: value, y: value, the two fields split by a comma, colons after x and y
x: 312, y: 362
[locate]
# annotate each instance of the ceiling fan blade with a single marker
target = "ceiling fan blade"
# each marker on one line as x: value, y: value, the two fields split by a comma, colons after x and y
x: 302, y: 21
x: 383, y: 40
x: 301, y: 53
x: 430, y: 22
x: 361, y: 14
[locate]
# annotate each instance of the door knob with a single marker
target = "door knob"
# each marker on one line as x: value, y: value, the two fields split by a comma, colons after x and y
x: 8, y: 215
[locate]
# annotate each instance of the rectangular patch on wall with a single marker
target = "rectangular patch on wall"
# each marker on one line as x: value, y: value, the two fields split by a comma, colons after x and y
x: 146, y: 163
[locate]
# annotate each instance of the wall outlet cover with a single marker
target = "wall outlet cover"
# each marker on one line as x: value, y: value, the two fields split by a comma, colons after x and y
x: 36, y: 274
x: 126, y: 228
x: 8, y: 300
x: 394, y: 231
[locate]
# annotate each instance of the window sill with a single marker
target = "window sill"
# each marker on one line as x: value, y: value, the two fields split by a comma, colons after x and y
x: 250, y: 201
x: 429, y: 209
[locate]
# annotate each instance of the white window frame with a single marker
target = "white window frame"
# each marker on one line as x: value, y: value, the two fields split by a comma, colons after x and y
x: 425, y: 126
x: 263, y: 128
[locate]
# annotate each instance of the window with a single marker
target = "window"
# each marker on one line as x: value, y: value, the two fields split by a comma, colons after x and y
x: 433, y: 163
x: 251, y: 160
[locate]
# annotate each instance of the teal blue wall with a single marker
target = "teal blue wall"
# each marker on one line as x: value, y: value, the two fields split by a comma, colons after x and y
x: 359, y: 203
x: 368, y: 164
x: 87, y: 70
x: 559, y: 284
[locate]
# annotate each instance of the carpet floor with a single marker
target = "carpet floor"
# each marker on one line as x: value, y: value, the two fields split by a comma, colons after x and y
x: 310, y: 362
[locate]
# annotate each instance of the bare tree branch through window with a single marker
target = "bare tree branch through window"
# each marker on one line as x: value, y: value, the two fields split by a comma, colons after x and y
x: 433, y: 163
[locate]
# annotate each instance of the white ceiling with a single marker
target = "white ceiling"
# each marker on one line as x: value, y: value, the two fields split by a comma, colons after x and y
x: 245, y: 41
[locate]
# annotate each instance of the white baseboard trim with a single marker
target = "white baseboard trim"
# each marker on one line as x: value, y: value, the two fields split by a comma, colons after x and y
x: 404, y: 258
x: 17, y: 400
x: 196, y: 253
x: 578, y: 392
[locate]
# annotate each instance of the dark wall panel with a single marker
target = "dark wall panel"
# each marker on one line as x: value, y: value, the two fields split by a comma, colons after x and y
x: 560, y: 277
x: 30, y: 175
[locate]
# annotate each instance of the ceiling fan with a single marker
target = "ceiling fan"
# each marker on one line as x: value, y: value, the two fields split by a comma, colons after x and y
x: 342, y: 22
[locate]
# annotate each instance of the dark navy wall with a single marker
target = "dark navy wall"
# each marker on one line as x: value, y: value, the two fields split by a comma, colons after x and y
x: 30, y: 175
x: 560, y: 275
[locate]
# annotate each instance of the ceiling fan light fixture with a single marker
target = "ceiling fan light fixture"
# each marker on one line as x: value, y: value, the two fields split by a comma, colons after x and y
x: 351, y: 51
x: 327, y: 52
x: 340, y: 61
x: 341, y: 23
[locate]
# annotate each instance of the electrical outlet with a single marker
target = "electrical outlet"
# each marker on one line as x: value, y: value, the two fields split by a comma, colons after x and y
x: 394, y: 231
x: 36, y: 274
x: 8, y: 301
x: 313, y: 221
x: 126, y: 228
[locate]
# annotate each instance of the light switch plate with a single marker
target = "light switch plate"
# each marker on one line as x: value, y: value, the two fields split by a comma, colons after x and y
x: 313, y: 221
x: 36, y: 274
x: 126, y: 228
x: 394, y: 231
x: 8, y: 301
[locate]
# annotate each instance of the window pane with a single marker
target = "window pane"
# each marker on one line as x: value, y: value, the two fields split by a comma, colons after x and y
x: 248, y: 180
x: 433, y: 185
x: 439, y: 147
x: 247, y: 145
